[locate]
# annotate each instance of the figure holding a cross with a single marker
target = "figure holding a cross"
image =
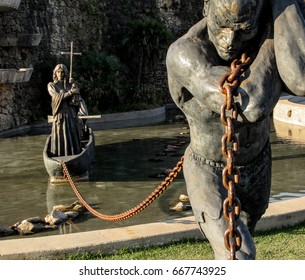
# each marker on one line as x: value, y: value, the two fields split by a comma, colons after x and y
x: 67, y: 105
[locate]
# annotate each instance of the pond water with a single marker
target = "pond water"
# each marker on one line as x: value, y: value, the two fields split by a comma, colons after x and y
x: 129, y: 164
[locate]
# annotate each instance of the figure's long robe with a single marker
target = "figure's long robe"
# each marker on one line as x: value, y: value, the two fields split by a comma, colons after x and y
x: 66, y: 134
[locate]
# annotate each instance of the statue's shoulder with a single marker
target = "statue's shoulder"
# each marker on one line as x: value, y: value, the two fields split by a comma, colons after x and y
x: 197, y: 34
x: 199, y: 30
x: 51, y: 86
x: 191, y: 45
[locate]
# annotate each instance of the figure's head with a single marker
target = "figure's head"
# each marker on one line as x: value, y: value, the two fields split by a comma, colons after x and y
x: 232, y: 24
x: 60, y: 72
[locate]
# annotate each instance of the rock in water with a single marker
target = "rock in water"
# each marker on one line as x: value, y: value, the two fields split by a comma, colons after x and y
x: 56, y: 217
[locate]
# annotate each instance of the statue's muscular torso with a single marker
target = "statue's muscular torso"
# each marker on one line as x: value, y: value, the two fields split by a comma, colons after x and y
x: 193, y: 74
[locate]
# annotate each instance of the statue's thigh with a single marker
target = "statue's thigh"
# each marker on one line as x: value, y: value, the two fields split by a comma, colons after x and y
x: 204, y: 188
x: 206, y: 194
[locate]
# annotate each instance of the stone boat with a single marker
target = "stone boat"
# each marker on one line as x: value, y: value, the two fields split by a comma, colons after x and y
x: 78, y: 165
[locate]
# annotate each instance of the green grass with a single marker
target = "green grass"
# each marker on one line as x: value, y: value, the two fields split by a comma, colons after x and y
x: 281, y: 244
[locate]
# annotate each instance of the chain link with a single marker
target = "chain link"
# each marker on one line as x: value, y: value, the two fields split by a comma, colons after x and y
x: 133, y: 211
x: 230, y: 175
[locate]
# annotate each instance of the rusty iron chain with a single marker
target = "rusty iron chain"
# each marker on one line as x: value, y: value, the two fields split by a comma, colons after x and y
x: 133, y: 211
x: 230, y: 175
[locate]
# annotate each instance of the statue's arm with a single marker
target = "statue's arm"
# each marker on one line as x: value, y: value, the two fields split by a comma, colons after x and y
x: 54, y: 93
x: 289, y: 43
x: 260, y: 86
x: 189, y: 67
x: 190, y: 70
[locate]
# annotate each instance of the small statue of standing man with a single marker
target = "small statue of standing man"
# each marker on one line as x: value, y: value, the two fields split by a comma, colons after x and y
x: 67, y: 104
x: 272, y: 31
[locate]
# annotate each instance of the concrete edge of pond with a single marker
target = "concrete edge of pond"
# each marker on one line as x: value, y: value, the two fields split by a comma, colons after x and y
x: 279, y: 214
x: 107, y: 121
x: 290, y: 110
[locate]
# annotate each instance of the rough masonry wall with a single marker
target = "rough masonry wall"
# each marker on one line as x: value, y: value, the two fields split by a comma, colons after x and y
x: 93, y: 25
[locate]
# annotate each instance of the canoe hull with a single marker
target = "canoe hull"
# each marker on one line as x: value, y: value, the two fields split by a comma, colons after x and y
x: 78, y: 165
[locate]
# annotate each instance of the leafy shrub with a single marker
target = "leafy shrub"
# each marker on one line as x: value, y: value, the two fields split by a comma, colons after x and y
x: 100, y: 77
x: 144, y: 43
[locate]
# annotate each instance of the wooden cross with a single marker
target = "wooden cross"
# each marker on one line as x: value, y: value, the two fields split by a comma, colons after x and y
x: 71, y: 53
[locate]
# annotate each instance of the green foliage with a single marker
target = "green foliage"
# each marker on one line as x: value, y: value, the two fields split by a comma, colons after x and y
x: 90, y: 8
x: 148, y: 97
x: 100, y: 77
x: 44, y: 71
x: 144, y: 43
x: 146, y: 36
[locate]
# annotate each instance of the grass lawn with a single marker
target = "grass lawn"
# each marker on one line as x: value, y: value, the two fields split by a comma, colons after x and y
x: 280, y: 244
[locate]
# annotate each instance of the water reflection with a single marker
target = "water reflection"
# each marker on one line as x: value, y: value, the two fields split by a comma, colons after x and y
x: 129, y: 164
x: 288, y: 161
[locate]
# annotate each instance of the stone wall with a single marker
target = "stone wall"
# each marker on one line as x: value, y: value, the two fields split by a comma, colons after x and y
x: 94, y: 25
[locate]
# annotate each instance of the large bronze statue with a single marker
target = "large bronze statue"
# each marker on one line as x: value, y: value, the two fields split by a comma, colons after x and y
x: 273, y: 33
